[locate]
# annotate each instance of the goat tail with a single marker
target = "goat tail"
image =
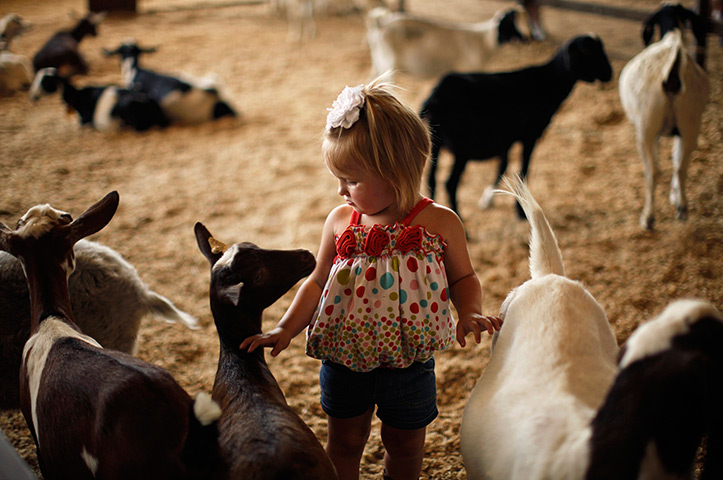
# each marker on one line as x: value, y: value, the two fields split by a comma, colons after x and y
x: 201, y: 449
x: 545, y: 255
x: 161, y: 307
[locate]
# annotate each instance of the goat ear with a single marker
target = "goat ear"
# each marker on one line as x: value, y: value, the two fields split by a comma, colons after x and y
x: 232, y: 293
x: 202, y: 236
x: 649, y: 28
x: 94, y: 218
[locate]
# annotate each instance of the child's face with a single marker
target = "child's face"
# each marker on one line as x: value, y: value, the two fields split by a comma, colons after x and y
x: 367, y: 193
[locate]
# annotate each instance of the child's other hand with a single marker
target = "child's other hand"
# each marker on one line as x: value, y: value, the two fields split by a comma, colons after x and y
x: 278, y: 339
x: 475, y: 324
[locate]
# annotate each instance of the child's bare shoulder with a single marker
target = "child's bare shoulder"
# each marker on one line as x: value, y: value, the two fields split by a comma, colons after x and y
x: 440, y: 220
x: 338, y: 219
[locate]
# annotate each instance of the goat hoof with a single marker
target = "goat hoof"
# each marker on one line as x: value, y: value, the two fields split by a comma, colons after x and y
x: 681, y: 213
x: 487, y: 198
x: 647, y: 222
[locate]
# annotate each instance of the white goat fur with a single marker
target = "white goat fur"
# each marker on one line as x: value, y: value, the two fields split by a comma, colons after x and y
x: 654, y: 112
x: 16, y: 71
x: 429, y: 48
x: 529, y: 415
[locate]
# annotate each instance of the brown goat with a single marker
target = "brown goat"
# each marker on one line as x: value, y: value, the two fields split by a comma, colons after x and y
x: 97, y: 413
x: 260, y: 436
x: 61, y: 50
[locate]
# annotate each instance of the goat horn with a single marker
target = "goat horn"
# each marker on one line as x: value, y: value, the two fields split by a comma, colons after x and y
x: 216, y: 246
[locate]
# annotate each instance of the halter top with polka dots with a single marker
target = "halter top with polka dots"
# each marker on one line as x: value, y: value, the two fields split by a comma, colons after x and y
x: 386, y: 301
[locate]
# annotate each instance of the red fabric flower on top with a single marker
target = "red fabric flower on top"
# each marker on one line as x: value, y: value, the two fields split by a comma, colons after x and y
x: 410, y: 238
x: 375, y: 242
x: 346, y: 244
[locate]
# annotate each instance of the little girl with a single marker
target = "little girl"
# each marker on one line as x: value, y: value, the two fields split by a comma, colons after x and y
x: 377, y: 304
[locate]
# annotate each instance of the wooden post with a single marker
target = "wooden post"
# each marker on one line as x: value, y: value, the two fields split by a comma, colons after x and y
x: 112, y: 5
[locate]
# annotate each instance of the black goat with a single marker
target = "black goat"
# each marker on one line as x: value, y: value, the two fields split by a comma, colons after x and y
x: 260, y: 436
x: 106, y: 108
x: 478, y: 116
x: 674, y: 16
x: 61, y: 50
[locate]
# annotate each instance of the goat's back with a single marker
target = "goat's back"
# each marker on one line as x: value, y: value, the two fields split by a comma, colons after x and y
x: 89, y: 407
x: 552, y: 363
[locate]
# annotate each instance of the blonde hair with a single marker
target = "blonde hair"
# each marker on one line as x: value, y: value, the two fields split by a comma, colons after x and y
x: 389, y: 140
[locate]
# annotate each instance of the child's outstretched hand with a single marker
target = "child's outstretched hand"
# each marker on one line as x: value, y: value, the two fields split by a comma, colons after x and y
x: 476, y: 323
x: 278, y: 339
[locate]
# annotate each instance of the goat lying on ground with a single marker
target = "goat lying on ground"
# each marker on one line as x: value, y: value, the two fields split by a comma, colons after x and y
x: 16, y: 72
x: 664, y: 92
x: 184, y: 100
x: 428, y: 48
x: 553, y: 404
x: 61, y: 50
x: 107, y: 108
x: 261, y: 437
x: 108, y: 298
x: 96, y: 413
x: 478, y: 116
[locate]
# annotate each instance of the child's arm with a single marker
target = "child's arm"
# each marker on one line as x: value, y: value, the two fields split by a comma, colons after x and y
x: 302, y: 308
x: 465, y: 290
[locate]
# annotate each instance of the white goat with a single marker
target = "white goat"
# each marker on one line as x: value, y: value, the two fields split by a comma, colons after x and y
x: 664, y: 92
x: 536, y: 411
x: 16, y: 71
x: 108, y: 297
x: 429, y: 48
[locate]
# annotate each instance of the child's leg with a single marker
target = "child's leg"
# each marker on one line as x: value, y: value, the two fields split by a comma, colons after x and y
x: 404, y: 452
x: 345, y: 445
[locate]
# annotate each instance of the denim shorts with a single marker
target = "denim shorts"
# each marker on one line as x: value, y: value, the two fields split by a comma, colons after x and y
x: 406, y: 398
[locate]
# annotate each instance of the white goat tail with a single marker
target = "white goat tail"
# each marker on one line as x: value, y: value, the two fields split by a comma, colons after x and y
x: 545, y: 256
x: 206, y: 409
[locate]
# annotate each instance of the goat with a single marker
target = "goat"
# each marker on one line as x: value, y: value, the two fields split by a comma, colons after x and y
x: 478, y: 116
x: 553, y: 403
x: 261, y: 437
x: 672, y: 16
x: 108, y: 299
x: 428, y: 48
x: 664, y: 92
x: 16, y: 72
x: 299, y: 15
x: 184, y: 100
x: 106, y: 108
x: 12, y: 25
x: 61, y: 50
x: 96, y: 413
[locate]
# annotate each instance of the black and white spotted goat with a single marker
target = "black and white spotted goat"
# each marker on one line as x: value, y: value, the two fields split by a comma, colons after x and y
x: 106, y: 108
x: 184, y: 99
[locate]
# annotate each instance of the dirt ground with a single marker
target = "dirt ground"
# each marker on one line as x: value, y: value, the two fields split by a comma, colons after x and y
x: 261, y: 179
